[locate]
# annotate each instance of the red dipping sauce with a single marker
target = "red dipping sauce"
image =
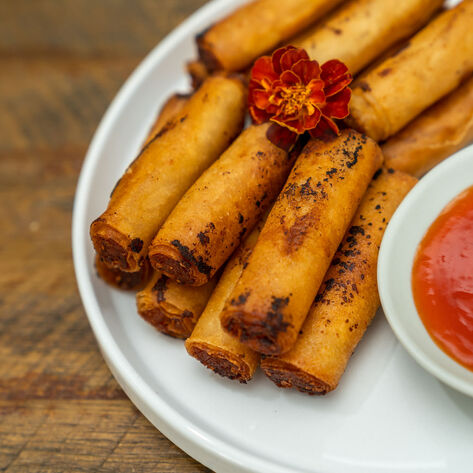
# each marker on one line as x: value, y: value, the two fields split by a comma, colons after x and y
x: 442, y: 279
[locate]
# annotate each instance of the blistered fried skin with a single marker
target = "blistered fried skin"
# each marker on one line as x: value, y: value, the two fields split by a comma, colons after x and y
x: 433, y: 63
x: 348, y: 298
x: 224, y: 204
x: 171, y: 108
x: 436, y: 134
x: 121, y: 279
x: 306, y: 224
x: 361, y: 30
x: 153, y: 184
x: 236, y: 41
x: 172, y: 308
x: 209, y: 343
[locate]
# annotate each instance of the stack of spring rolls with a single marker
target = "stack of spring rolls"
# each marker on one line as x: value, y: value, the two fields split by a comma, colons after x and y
x: 259, y: 255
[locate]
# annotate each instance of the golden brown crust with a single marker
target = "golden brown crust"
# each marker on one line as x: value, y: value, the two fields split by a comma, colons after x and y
x: 165, y: 168
x: 360, y: 30
x: 347, y: 299
x: 432, y: 64
x: 171, y: 108
x: 198, y: 73
x: 222, y: 206
x: 255, y: 28
x: 305, y: 226
x: 209, y: 343
x: 436, y: 134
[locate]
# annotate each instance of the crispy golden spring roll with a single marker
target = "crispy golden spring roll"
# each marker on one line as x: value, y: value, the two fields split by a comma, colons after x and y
x: 226, y: 202
x: 197, y: 72
x: 432, y: 64
x: 121, y: 279
x: 360, y: 30
x: 170, y: 307
x: 437, y: 133
x: 209, y: 343
x: 171, y: 108
x: 165, y: 169
x: 298, y: 241
x: 348, y: 299
x: 258, y: 27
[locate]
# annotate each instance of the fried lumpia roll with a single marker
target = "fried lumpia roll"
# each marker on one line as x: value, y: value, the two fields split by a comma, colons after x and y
x: 165, y: 169
x: 226, y: 202
x: 255, y: 28
x: 209, y: 343
x: 197, y: 72
x: 437, y: 133
x: 360, y: 30
x: 121, y: 279
x: 348, y: 298
x: 171, y: 108
x: 306, y: 224
x: 432, y: 64
x: 170, y: 307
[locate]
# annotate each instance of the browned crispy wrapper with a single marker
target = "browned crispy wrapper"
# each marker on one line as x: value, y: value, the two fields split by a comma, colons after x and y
x: 121, y: 279
x: 306, y: 224
x: 165, y: 169
x: 225, y: 203
x: 347, y: 300
x: 436, y: 134
x: 433, y: 63
x: 171, y: 108
x: 170, y: 307
x: 360, y: 30
x: 209, y: 343
x: 198, y: 72
x: 255, y: 28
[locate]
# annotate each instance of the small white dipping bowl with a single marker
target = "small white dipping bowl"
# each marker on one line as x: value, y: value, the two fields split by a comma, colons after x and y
x: 405, y: 231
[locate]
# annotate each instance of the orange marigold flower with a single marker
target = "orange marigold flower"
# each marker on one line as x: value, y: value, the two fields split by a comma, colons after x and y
x: 296, y: 93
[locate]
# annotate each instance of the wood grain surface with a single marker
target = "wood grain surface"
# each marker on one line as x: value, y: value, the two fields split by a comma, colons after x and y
x: 61, y: 63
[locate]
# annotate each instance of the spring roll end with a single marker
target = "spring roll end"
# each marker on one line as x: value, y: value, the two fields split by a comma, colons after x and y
x: 287, y: 375
x: 221, y: 361
x: 116, y: 250
x: 164, y: 322
x: 174, y: 263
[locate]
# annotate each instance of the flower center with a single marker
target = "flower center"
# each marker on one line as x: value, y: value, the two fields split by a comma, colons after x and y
x: 293, y: 100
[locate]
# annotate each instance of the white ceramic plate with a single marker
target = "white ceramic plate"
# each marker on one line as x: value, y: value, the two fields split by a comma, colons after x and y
x: 416, y: 213
x: 388, y: 415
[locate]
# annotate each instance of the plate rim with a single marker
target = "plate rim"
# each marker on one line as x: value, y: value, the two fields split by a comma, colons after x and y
x: 202, y: 446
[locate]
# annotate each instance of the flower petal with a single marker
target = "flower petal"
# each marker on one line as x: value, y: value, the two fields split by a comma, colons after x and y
x: 333, y: 69
x: 281, y: 136
x: 263, y: 69
x: 276, y: 58
x: 311, y: 121
x: 307, y: 70
x: 326, y: 127
x: 260, y: 98
x: 337, y: 105
x: 258, y: 116
x: 317, y: 94
x: 289, y: 78
x: 292, y: 56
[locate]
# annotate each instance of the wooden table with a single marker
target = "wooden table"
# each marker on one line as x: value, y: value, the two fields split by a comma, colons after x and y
x: 61, y: 63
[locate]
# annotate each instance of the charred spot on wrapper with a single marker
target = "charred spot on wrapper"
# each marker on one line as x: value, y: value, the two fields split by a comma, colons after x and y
x: 160, y: 288
x: 377, y: 174
x: 363, y: 85
x: 203, y: 238
x: 241, y: 299
x: 136, y: 245
x: 188, y: 255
